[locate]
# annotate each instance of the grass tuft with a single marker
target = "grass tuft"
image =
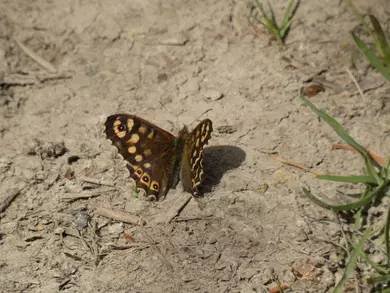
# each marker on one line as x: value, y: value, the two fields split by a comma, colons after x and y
x: 377, y: 185
x: 269, y: 22
x: 380, y: 58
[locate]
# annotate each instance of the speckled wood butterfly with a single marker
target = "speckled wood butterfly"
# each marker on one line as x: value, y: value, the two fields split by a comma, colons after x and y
x: 155, y: 158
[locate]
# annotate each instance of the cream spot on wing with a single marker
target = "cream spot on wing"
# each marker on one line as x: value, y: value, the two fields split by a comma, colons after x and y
x: 132, y: 150
x: 147, y: 153
x: 197, y: 142
x: 142, y: 129
x: 147, y: 165
x: 195, y: 153
x: 138, y: 158
x: 130, y: 124
x: 133, y: 139
x: 151, y: 134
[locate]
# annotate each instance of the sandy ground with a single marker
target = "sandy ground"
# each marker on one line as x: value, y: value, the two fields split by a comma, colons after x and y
x: 169, y: 62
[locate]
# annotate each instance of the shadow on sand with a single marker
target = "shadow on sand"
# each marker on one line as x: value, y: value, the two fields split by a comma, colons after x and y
x: 218, y: 160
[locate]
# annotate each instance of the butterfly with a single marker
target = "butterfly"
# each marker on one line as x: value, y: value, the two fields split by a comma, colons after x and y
x: 155, y: 158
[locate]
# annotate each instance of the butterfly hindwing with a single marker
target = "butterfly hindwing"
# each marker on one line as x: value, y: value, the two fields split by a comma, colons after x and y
x: 148, y: 150
x: 195, y: 143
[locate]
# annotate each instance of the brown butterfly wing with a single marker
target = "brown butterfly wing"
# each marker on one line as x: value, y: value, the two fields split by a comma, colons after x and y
x: 191, y: 174
x: 148, y: 150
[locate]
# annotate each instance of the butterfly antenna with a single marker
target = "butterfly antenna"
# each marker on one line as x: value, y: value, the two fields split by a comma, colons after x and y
x: 208, y: 110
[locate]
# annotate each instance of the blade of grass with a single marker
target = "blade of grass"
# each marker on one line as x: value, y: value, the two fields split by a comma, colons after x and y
x: 338, y: 208
x: 284, y: 29
x: 288, y: 14
x: 371, y: 170
x: 381, y: 40
x: 336, y: 126
x: 387, y: 242
x: 374, y: 61
x: 377, y: 267
x: 272, y: 18
x: 350, y: 179
x: 379, y: 279
x: 356, y: 253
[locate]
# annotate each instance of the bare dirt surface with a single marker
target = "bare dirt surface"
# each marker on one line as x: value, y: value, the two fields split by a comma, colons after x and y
x: 169, y: 62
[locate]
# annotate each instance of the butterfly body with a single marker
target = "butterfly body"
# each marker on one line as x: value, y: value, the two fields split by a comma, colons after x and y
x: 156, y: 159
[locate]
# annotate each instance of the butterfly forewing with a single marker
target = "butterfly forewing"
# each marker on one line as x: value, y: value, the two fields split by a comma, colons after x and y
x: 195, y: 143
x: 148, y: 150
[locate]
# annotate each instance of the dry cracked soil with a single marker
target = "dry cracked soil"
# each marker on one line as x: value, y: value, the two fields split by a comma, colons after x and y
x: 67, y: 65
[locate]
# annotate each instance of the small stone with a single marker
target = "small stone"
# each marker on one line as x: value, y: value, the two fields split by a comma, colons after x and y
x: 262, y: 188
x: 213, y: 95
x: 212, y: 239
x: 226, y: 129
x: 116, y: 228
x: 81, y: 220
x: 175, y: 41
x: 267, y: 276
x: 162, y: 77
x: 247, y: 273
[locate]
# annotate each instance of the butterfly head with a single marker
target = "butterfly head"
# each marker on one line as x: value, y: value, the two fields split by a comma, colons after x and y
x: 183, y: 133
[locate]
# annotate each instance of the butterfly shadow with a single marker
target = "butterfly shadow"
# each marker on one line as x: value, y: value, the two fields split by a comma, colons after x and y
x: 218, y: 160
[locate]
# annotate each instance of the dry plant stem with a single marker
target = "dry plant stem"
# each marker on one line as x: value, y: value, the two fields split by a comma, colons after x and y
x: 9, y: 199
x: 45, y: 64
x: 177, y: 207
x: 357, y: 84
x: 96, y: 181
x: 74, y: 196
x: 119, y: 216
x: 377, y: 158
x: 278, y: 158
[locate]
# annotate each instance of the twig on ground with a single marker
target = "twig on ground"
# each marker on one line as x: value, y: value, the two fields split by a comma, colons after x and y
x: 357, y: 84
x: 9, y: 199
x: 74, y: 196
x: 175, y: 209
x: 194, y: 218
x: 96, y: 181
x: 23, y: 80
x: 45, y: 64
x: 297, y: 165
x: 119, y: 216
x: 138, y: 246
x: 377, y: 158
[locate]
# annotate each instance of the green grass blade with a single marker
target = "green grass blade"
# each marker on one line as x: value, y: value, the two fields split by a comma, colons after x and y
x: 338, y: 208
x: 349, y: 179
x: 371, y: 170
x: 387, y: 241
x: 272, y: 18
x: 374, y: 61
x: 288, y: 13
x: 356, y: 253
x: 381, y: 40
x: 336, y: 126
x: 379, y: 280
x: 284, y: 28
